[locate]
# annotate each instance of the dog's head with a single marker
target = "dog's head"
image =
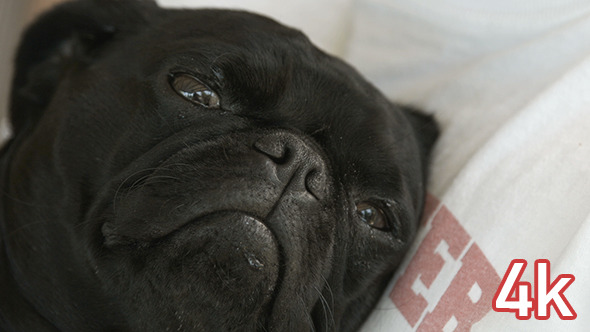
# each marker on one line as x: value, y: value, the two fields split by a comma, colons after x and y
x: 199, y: 170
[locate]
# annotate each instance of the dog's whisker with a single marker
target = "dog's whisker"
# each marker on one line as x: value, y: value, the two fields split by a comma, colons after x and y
x: 25, y: 226
x: 307, y: 313
x: 328, y: 306
x: 83, y: 224
x: 115, y: 197
x: 150, y: 181
x: 138, y: 181
x: 23, y: 202
x: 260, y: 326
x: 325, y: 307
x: 323, y: 128
x: 329, y: 288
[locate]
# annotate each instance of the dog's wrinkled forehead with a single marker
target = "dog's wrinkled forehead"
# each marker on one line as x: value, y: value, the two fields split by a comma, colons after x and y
x: 272, y: 74
x: 255, y: 61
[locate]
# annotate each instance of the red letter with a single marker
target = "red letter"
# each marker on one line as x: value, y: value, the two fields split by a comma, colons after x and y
x: 427, y: 264
x: 468, y: 298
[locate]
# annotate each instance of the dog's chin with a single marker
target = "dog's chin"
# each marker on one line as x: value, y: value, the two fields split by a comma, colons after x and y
x: 223, y: 270
x: 223, y: 265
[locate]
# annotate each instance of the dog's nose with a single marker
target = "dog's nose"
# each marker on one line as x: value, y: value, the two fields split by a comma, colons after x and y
x: 297, y: 162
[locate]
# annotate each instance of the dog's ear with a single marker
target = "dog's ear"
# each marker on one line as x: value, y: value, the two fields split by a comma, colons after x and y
x: 66, y: 37
x: 426, y: 129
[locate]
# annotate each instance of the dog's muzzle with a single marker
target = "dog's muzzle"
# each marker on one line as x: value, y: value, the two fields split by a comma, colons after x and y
x: 247, y: 209
x: 252, y: 175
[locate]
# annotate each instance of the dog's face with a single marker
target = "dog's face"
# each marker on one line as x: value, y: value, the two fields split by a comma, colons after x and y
x: 199, y: 170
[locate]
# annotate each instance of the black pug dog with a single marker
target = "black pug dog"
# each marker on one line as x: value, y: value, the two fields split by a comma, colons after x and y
x: 198, y: 170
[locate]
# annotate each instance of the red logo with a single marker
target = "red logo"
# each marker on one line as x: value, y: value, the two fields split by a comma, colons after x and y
x: 516, y: 296
x: 449, y: 283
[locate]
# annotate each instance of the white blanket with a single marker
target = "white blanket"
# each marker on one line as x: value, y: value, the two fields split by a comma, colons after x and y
x: 510, y: 83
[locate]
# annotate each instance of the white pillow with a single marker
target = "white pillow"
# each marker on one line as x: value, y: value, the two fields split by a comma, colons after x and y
x: 509, y: 83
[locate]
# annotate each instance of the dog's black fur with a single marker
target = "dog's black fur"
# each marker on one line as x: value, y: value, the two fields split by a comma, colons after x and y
x: 131, y: 203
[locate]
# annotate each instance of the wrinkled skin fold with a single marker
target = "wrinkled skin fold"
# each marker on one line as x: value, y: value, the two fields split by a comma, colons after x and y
x: 198, y: 170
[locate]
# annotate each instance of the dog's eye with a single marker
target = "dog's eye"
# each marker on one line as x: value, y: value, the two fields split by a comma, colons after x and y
x: 194, y: 90
x: 372, y: 216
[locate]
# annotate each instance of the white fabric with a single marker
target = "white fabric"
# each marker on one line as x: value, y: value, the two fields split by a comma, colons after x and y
x: 509, y: 82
